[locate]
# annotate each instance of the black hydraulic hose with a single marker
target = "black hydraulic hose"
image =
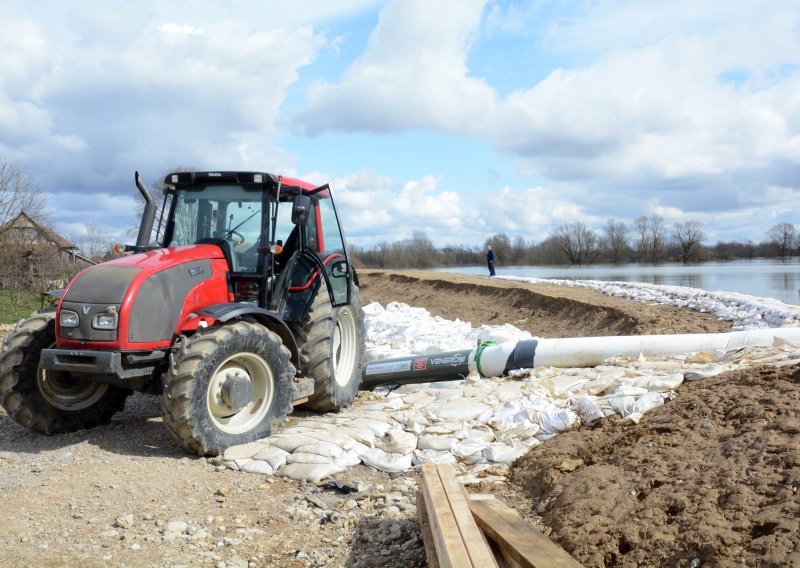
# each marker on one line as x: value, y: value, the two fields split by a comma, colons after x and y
x: 148, y: 216
x: 431, y: 368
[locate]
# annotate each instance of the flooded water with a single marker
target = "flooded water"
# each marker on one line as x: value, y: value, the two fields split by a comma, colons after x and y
x: 759, y: 277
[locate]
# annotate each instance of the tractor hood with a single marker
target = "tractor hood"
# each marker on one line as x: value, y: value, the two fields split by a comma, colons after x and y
x: 148, y: 292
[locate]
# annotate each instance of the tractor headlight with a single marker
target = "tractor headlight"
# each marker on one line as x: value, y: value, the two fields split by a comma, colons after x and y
x: 105, y: 321
x: 68, y: 318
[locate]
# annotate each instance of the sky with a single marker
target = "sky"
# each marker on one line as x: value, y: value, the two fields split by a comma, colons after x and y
x: 461, y: 119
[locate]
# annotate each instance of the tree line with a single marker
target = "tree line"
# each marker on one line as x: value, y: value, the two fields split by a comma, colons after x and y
x: 648, y: 240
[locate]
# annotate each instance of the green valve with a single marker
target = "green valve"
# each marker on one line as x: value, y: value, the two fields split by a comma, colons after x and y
x: 481, y: 346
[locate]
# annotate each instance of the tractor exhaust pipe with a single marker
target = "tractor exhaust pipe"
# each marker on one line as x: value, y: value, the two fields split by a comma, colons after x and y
x: 490, y: 359
x: 148, y: 217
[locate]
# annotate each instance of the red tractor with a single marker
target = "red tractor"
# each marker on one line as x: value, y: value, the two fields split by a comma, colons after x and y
x: 248, y: 305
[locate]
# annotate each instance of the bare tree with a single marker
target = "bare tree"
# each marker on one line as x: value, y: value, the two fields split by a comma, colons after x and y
x: 95, y: 243
x: 422, y: 249
x: 18, y: 192
x: 688, y: 235
x: 501, y: 244
x: 617, y: 240
x: 651, y: 237
x: 577, y: 242
x: 783, y: 236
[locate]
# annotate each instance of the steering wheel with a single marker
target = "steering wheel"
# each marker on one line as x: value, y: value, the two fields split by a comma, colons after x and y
x: 231, y: 233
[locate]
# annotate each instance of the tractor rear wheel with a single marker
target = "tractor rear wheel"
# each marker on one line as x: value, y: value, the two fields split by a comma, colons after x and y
x: 45, y: 401
x: 331, y: 345
x: 230, y: 384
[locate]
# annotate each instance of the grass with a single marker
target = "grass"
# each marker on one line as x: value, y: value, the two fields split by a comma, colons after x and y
x: 14, y: 307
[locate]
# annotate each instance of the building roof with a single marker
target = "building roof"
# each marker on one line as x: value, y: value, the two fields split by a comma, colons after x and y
x: 22, y: 221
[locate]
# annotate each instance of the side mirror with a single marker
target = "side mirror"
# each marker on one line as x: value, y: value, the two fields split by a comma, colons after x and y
x: 301, y: 209
x: 339, y: 269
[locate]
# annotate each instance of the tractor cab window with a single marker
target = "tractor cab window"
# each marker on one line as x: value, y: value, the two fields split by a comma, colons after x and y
x: 332, y: 250
x: 219, y: 213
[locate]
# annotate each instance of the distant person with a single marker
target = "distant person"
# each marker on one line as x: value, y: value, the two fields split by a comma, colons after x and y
x: 490, y: 259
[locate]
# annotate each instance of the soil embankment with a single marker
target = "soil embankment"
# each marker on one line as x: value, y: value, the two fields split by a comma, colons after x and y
x: 543, y: 310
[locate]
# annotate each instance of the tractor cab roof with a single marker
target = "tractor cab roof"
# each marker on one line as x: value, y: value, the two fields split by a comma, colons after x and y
x: 253, y: 180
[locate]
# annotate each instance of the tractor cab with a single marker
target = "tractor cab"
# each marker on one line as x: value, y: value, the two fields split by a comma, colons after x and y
x: 278, y: 235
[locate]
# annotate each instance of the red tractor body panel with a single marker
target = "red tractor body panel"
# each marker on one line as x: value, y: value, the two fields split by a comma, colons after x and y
x: 208, y: 291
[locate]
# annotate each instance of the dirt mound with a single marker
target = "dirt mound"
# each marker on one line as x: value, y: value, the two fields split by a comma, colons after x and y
x: 710, y: 478
x: 543, y: 310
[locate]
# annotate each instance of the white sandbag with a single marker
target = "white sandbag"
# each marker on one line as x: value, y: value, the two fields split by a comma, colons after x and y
x: 648, y: 401
x: 320, y: 448
x: 623, y: 405
x: 395, y: 403
x: 240, y: 462
x: 334, y: 436
x: 520, y: 433
x: 349, y: 459
x: 391, y: 463
x: 561, y: 385
x: 479, y: 433
x: 432, y: 456
x: 703, y: 372
x: 244, y: 450
x: 257, y: 466
x: 359, y: 449
x: 438, y: 443
x: 588, y: 409
x: 378, y: 427
x: 397, y: 441
x: 660, y: 383
x: 308, y: 472
x: 289, y: 443
x: 273, y: 455
x: 605, y: 382
x: 627, y: 388
x: 411, y: 420
x: 305, y: 457
x: 469, y: 451
x: 360, y: 434
x: 508, y: 391
x: 502, y: 453
x: 444, y: 427
x: 373, y: 309
x: 556, y: 421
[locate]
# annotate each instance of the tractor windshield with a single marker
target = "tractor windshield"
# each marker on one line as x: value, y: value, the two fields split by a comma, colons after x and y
x: 224, y: 212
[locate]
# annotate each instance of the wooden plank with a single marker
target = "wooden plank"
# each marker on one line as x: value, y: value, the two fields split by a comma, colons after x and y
x: 474, y: 540
x: 425, y: 529
x: 450, y: 549
x: 517, y: 539
x: 481, y: 497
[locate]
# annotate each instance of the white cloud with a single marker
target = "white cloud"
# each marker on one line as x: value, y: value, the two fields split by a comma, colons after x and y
x: 413, y: 74
x: 376, y: 208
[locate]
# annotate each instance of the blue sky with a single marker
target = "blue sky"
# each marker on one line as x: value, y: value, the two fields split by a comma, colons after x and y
x: 461, y: 119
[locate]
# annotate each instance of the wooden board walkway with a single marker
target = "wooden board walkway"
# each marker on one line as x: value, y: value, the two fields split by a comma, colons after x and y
x: 480, y: 531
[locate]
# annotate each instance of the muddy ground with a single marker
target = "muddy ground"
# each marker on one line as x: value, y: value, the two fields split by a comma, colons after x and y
x: 708, y: 479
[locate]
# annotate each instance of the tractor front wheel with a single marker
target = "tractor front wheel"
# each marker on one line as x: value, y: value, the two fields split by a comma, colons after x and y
x: 230, y: 384
x: 45, y: 401
x: 331, y: 344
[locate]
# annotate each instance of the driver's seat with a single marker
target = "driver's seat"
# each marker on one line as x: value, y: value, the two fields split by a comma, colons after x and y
x: 227, y: 251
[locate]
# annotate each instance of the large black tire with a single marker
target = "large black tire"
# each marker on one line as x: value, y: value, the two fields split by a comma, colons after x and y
x: 331, y: 345
x: 49, y: 402
x: 196, y: 409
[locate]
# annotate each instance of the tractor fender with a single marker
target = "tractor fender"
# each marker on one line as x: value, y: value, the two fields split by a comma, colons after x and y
x: 225, y: 312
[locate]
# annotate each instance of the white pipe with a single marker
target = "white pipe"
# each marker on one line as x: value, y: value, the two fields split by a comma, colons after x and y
x: 496, y: 360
